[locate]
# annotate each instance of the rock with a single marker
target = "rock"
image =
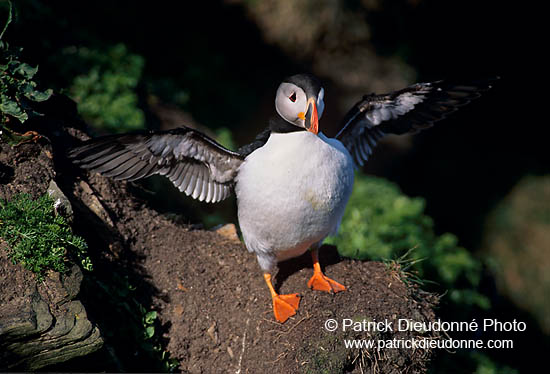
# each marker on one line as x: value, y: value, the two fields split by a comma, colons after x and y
x: 61, y: 203
x: 42, y: 323
x: 228, y: 231
x: 90, y: 199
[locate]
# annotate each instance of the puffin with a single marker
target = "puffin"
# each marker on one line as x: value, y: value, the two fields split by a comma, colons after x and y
x: 292, y: 183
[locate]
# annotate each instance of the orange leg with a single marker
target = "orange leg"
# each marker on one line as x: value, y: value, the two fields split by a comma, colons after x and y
x: 284, y: 306
x: 319, y: 281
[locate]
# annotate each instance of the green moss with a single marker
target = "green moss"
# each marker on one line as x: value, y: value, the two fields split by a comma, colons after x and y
x: 39, y: 239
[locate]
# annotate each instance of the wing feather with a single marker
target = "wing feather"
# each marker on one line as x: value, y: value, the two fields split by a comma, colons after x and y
x: 192, y: 182
x: 186, y: 178
x: 175, y: 174
x: 130, y: 171
x: 409, y: 110
x: 196, y: 164
x: 198, y: 184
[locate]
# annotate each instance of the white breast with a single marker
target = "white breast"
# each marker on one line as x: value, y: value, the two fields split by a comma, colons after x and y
x: 291, y: 194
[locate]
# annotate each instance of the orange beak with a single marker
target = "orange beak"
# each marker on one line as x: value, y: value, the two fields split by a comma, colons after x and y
x: 312, y: 119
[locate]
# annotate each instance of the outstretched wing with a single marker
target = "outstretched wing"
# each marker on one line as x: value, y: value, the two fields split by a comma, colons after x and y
x: 412, y: 109
x: 196, y: 164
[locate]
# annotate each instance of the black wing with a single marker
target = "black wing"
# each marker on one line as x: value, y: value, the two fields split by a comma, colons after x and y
x: 196, y: 164
x: 409, y: 110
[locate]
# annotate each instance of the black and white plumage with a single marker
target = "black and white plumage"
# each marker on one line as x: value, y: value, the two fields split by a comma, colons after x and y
x: 409, y: 110
x: 292, y: 182
x: 196, y: 164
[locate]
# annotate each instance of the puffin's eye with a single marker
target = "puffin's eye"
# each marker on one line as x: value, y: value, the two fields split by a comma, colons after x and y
x: 292, y: 97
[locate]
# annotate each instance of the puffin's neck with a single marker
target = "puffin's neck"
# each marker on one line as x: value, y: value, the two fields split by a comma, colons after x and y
x: 278, y: 125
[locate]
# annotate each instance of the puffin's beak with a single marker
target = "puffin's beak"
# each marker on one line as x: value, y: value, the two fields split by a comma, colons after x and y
x: 312, y: 119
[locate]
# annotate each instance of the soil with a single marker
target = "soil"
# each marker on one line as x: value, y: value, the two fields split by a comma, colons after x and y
x: 214, y: 309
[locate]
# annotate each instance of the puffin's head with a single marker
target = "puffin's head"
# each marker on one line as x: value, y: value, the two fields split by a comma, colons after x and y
x: 299, y: 101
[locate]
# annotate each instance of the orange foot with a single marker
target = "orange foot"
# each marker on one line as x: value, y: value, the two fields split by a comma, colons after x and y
x: 284, y: 306
x: 321, y: 282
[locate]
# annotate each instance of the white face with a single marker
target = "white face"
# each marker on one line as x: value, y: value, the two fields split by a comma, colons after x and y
x: 291, y: 103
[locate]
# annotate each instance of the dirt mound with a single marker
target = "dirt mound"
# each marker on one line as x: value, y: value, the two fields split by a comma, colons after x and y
x: 219, y: 309
x: 214, y: 309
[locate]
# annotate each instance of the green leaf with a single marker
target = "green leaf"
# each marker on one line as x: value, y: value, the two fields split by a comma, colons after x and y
x: 39, y: 96
x: 12, y: 108
x: 149, y: 332
x: 13, y: 64
x: 150, y: 317
x: 26, y: 70
x: 27, y: 87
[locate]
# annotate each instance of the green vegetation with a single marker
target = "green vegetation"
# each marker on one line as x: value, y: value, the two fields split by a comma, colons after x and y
x: 103, y: 82
x: 39, y: 239
x: 18, y: 90
x: 104, y: 85
x: 382, y: 223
